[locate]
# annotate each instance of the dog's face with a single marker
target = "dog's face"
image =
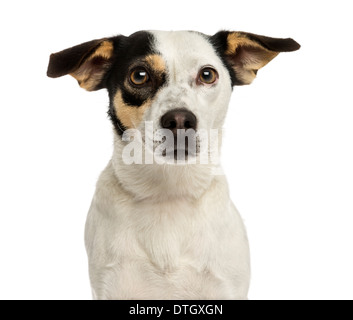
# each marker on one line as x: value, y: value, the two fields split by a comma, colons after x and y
x: 175, y: 80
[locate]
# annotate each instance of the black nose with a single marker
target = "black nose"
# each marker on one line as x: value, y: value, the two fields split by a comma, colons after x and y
x: 179, y: 119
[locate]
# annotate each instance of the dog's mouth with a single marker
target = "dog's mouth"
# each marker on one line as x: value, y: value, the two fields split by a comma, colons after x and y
x: 179, y: 154
x: 180, y: 150
x: 182, y: 147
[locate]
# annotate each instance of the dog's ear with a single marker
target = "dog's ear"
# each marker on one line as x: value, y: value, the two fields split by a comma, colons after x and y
x: 87, y: 63
x: 246, y: 53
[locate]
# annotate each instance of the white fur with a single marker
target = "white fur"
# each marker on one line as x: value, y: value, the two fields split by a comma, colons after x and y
x: 167, y: 231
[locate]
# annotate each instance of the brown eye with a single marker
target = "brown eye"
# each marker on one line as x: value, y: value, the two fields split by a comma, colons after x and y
x: 139, y: 77
x: 208, y: 76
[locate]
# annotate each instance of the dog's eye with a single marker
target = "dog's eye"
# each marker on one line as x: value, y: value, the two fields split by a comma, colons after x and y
x: 208, y: 75
x: 139, y: 77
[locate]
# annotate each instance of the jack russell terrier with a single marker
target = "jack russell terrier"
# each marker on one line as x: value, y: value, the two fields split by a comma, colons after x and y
x: 161, y: 223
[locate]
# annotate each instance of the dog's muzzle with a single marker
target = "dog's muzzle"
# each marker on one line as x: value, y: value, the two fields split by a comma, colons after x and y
x: 182, y: 123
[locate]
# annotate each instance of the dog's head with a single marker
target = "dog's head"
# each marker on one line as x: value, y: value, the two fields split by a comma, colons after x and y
x: 172, y: 80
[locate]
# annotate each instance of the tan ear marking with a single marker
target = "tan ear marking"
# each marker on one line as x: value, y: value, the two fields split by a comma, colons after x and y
x: 247, y: 53
x: 92, y: 69
x: 261, y: 55
x: 234, y: 40
x: 105, y: 50
x: 247, y: 56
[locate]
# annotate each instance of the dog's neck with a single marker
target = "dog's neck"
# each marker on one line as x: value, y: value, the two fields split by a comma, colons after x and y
x: 157, y: 182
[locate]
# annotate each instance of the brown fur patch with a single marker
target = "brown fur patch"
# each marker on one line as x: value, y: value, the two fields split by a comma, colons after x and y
x: 247, y: 56
x: 105, y: 50
x: 92, y: 70
x: 129, y: 116
x: 156, y: 62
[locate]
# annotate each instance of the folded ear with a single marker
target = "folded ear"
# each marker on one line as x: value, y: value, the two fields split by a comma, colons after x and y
x: 87, y: 63
x: 246, y: 53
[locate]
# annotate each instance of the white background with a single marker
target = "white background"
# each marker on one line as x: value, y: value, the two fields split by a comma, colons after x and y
x: 288, y: 151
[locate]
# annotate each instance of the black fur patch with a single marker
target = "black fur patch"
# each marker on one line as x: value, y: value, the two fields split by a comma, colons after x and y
x: 220, y: 44
x: 129, y: 52
x: 134, y: 99
x: 119, y: 127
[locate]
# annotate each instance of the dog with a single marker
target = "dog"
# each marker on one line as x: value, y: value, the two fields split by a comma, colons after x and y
x: 166, y: 230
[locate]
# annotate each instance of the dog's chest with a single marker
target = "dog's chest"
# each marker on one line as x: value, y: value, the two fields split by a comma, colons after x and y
x: 168, y: 233
x: 171, y: 249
